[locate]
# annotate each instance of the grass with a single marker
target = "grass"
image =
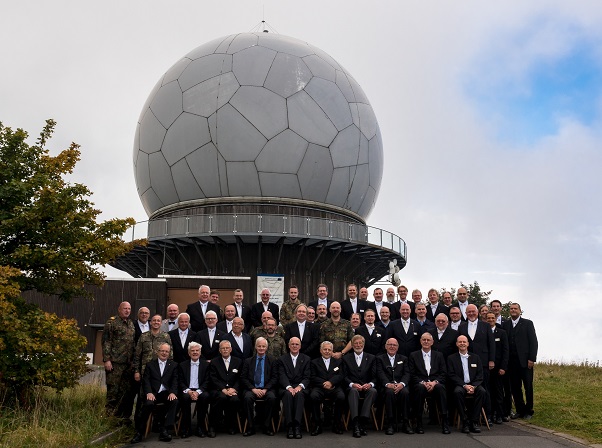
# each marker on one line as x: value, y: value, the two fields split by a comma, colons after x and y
x: 70, y: 419
x: 568, y: 398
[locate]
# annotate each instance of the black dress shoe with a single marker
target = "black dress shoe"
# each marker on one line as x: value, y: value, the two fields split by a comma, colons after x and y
x: 317, y: 430
x: 498, y: 420
x: 505, y: 419
x: 164, y: 436
x: 406, y: 428
x: 419, y: 429
x: 200, y: 433
x: 363, y: 431
x: 389, y: 431
x: 297, y: 432
x: 514, y: 415
x: 291, y: 433
x: 268, y: 432
x: 250, y: 432
x: 337, y: 429
x: 232, y: 431
x: 185, y: 434
x: 474, y: 428
x: 490, y: 422
x: 211, y: 433
x: 445, y: 429
x: 356, y: 431
x: 465, y: 428
x: 137, y: 438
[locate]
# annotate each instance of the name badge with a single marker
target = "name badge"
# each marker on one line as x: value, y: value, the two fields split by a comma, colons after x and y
x: 497, y: 339
x: 335, y: 369
x: 473, y: 365
x: 378, y: 335
x: 216, y: 341
x: 236, y: 370
x: 399, y: 362
x: 415, y: 333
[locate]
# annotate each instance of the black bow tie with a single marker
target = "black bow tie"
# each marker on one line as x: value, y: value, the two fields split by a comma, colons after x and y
x: 171, y: 322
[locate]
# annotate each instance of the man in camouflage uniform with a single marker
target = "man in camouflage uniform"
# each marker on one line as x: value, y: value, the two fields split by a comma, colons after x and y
x: 148, y: 346
x: 262, y: 331
x: 337, y: 330
x: 287, y: 310
x: 276, y: 343
x: 118, y: 354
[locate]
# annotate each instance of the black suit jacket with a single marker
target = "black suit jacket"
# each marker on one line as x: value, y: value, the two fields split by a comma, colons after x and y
x: 180, y: 353
x: 447, y: 343
x: 293, y: 376
x: 455, y: 372
x: 408, y: 342
x: 209, y: 351
x: 270, y: 373
x: 375, y: 343
x: 314, y: 305
x: 197, y: 318
x: 184, y: 375
x: 334, y: 374
x: 246, y: 316
x: 137, y: 331
x: 247, y: 345
x: 399, y: 373
x: 362, y: 306
x: 365, y: 373
x: 220, y: 378
x: 223, y: 327
x: 483, y: 344
x: 522, y: 340
x: 426, y: 326
x: 502, y: 352
x: 311, y: 337
x: 257, y: 310
x: 418, y: 370
x: 152, y: 379
x: 440, y: 309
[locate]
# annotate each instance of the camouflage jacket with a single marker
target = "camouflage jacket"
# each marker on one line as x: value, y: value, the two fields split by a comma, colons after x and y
x: 118, y: 341
x: 339, y: 333
x: 260, y: 332
x: 287, y: 311
x: 146, y: 349
x: 276, y: 346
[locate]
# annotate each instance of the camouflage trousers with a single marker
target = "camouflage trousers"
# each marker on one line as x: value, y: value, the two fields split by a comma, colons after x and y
x: 120, y: 391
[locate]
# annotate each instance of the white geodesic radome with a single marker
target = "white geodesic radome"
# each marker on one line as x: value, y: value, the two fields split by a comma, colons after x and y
x: 258, y: 115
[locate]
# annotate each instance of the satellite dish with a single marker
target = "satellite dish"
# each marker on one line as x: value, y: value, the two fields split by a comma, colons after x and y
x: 395, y: 279
x: 394, y: 273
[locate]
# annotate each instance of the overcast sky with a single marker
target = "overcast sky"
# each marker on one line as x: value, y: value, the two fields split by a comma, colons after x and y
x: 490, y: 115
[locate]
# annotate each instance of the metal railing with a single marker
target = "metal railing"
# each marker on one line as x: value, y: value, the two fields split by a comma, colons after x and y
x: 264, y: 224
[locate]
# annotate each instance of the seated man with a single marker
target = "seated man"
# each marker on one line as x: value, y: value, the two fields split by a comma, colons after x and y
x: 193, y: 379
x: 465, y: 373
x: 259, y: 378
x: 294, y: 371
x: 326, y: 381
x: 427, y: 377
x: 394, y: 375
x: 159, y: 385
x: 360, y: 377
x: 224, y: 375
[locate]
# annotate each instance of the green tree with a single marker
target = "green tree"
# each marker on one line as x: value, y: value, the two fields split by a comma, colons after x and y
x: 478, y: 297
x: 49, y: 241
x: 48, y: 227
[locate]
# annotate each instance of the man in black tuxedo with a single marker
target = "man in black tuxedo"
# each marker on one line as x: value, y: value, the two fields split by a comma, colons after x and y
x: 181, y: 337
x: 141, y: 325
x: 242, y: 345
x: 455, y: 318
x: 433, y: 308
x: 465, y: 373
x: 198, y: 310
x: 326, y: 382
x: 394, y: 377
x: 354, y: 305
x: 224, y: 376
x: 193, y: 379
x: 360, y: 378
x: 502, y: 353
x: 264, y: 305
x: 159, y: 385
x: 523, y: 345
x: 308, y: 333
x: 225, y: 326
x: 462, y: 302
x: 374, y: 336
x: 259, y: 379
x: 495, y: 306
x: 294, y: 377
x: 406, y: 331
x: 243, y: 311
x: 444, y: 337
x: 210, y: 337
x: 428, y: 375
x: 322, y: 293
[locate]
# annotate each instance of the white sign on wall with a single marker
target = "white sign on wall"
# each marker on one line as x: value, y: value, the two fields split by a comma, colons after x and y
x: 275, y: 283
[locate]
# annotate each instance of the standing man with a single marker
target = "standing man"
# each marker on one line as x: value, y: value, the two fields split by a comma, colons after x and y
x: 264, y: 305
x: 338, y: 331
x: 321, y: 314
x: 434, y: 307
x: 523, y: 355
x: 276, y: 343
x: 118, y: 354
x: 198, y: 310
x: 394, y: 375
x: 259, y: 379
x: 447, y: 300
x: 225, y: 326
x: 193, y: 379
x: 354, y: 305
x: 322, y: 293
x: 171, y: 323
x: 455, y: 318
x: 181, y: 337
x: 159, y: 385
x: 243, y: 311
x: 326, y: 382
x: 360, y: 378
x: 465, y: 373
x: 374, y: 337
x: 385, y: 318
x: 498, y: 373
x: 428, y: 375
x: 392, y: 304
x: 241, y: 343
x: 148, y: 346
x: 406, y: 331
x: 210, y: 337
x: 462, y: 302
x: 308, y: 333
x: 141, y: 325
x: 363, y: 293
x: 378, y: 302
x: 294, y: 381
x: 287, y: 310
x: 425, y: 324
x: 496, y: 308
x: 402, y: 292
x: 224, y: 374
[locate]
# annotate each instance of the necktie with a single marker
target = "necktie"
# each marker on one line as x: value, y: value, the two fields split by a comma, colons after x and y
x: 194, y: 375
x: 162, y: 367
x: 427, y: 363
x: 171, y: 322
x: 258, y: 371
x: 211, y: 336
x: 227, y: 364
x: 358, y: 360
x: 405, y: 325
x: 465, y: 368
x: 472, y: 329
x: 294, y: 362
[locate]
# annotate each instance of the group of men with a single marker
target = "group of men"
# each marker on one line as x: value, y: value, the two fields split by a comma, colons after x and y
x: 351, y: 354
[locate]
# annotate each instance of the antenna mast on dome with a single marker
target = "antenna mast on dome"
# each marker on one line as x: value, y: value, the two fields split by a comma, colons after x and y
x: 263, y: 27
